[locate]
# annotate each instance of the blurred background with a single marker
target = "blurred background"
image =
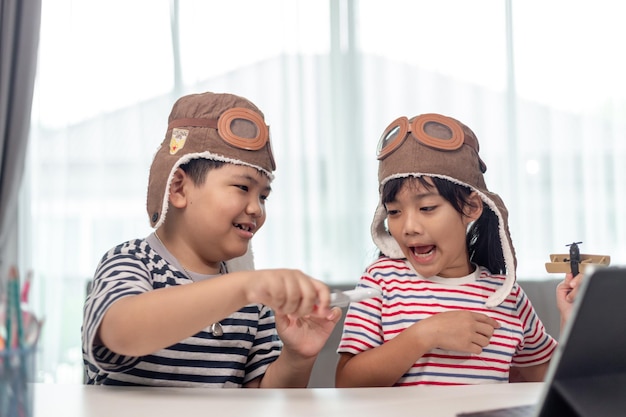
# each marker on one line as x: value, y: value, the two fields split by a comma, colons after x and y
x: 541, y: 83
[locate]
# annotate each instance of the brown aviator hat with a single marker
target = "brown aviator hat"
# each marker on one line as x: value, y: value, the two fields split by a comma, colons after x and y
x: 440, y: 147
x: 220, y: 127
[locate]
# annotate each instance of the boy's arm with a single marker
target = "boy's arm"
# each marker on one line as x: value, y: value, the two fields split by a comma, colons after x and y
x: 303, y: 338
x: 142, y: 324
x: 384, y: 365
x: 287, y: 371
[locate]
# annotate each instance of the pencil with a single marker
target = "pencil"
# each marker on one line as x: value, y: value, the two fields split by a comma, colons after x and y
x: 8, y: 318
x: 26, y: 287
x: 17, y: 306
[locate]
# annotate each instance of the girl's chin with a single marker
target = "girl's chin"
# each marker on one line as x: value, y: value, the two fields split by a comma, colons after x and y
x: 425, y: 269
x: 426, y: 273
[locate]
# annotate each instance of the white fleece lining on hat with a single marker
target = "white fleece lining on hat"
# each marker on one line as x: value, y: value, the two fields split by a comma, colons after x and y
x: 388, y: 245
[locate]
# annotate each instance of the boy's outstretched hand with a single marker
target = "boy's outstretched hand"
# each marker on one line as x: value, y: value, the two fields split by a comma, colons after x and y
x: 307, y: 335
x: 304, y: 320
x: 286, y: 291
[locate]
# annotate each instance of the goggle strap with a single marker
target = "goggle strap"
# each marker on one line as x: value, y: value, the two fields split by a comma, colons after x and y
x: 223, y: 127
x: 190, y: 122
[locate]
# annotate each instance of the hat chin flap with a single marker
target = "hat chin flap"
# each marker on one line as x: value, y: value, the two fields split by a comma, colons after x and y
x: 381, y: 237
x: 496, y: 204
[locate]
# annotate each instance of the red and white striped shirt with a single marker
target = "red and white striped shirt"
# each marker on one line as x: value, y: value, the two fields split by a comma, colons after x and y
x: 407, y: 298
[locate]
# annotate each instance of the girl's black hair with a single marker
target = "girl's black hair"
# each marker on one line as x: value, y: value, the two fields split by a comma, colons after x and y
x: 483, y: 236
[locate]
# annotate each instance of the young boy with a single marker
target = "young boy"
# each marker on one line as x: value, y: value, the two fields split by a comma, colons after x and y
x: 184, y: 307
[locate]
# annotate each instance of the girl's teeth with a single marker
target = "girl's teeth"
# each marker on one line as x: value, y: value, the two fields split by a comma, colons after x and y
x: 423, y: 255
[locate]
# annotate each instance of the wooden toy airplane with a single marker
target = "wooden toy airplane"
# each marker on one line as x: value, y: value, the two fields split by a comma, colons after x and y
x: 574, y: 262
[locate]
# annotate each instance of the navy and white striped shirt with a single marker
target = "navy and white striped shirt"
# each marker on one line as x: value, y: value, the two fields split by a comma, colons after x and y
x: 249, y: 343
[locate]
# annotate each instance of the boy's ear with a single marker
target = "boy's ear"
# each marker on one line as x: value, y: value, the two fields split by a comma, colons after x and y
x: 177, y: 196
x: 474, y: 209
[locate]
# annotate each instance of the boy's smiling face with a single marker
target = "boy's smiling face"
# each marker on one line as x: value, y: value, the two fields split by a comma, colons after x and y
x: 218, y: 218
x: 430, y: 232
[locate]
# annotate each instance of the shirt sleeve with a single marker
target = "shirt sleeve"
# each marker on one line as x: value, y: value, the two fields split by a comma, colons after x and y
x: 266, y: 346
x: 362, y: 327
x: 118, y: 275
x: 537, y: 346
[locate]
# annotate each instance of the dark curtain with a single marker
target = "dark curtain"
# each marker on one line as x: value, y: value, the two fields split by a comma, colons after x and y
x: 19, y: 40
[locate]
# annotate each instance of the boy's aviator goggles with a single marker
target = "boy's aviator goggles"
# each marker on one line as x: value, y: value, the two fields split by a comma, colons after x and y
x: 433, y: 130
x: 239, y: 127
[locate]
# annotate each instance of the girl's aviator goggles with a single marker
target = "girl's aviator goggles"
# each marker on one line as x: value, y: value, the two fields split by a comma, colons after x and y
x: 432, y: 130
x: 239, y: 127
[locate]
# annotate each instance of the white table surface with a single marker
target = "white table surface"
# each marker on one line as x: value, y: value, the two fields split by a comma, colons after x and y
x: 52, y: 400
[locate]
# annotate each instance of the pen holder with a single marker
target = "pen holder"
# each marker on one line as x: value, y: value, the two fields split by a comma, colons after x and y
x: 17, y: 372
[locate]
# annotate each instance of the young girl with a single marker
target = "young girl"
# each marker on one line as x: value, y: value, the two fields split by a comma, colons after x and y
x: 450, y: 311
